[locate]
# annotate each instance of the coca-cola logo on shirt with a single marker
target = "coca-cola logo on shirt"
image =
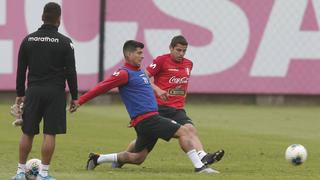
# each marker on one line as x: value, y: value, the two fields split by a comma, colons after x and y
x: 178, y: 80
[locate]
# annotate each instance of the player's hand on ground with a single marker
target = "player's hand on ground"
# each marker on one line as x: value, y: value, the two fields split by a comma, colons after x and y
x: 74, y: 105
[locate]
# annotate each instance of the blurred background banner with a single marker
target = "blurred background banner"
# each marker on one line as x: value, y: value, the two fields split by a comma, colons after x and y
x: 238, y: 46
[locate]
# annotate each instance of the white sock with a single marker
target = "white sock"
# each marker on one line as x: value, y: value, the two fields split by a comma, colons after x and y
x: 21, y: 168
x: 107, y: 158
x: 201, y: 154
x: 193, y: 156
x: 44, y: 169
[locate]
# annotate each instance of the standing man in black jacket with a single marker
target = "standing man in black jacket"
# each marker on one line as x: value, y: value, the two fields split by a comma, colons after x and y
x: 49, y: 58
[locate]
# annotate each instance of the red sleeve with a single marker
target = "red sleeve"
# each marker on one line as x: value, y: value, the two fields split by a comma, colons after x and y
x: 155, y: 67
x: 117, y: 79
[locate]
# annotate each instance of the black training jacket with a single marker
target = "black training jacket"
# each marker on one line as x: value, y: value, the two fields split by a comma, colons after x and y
x: 49, y: 58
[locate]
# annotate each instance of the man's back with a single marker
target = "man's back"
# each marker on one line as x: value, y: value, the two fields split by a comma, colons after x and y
x: 49, y: 57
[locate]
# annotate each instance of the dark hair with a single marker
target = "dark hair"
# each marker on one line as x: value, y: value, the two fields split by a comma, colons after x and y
x: 51, y: 13
x: 131, y: 46
x: 178, y: 40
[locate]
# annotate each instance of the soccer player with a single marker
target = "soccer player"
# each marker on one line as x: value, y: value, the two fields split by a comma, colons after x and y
x: 138, y: 96
x: 49, y: 58
x: 171, y: 73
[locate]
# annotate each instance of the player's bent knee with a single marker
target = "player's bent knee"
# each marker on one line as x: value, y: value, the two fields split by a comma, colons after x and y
x: 182, y: 131
x: 191, y: 128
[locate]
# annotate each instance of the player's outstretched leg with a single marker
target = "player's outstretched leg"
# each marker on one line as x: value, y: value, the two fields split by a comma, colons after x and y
x: 119, y: 159
x: 130, y: 148
x: 211, y: 158
x: 187, y: 146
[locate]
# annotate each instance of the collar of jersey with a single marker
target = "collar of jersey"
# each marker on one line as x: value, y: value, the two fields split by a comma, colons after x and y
x: 178, y: 62
x: 49, y: 27
x: 132, y: 67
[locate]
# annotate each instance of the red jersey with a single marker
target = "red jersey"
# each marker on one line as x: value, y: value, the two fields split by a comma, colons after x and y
x: 173, y: 77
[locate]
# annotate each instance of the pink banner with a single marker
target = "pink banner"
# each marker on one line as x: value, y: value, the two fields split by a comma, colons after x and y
x: 239, y: 46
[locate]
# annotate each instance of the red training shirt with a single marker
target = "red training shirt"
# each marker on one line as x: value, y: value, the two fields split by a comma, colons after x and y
x: 173, y: 77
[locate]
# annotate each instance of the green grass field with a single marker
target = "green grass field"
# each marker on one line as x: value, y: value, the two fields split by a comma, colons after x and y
x: 254, y: 138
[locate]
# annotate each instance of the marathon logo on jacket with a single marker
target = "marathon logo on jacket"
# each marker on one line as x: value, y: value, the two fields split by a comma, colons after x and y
x: 44, y: 39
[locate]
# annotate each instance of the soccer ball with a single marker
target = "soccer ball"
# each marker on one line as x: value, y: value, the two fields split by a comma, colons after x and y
x: 296, y: 154
x: 32, y: 168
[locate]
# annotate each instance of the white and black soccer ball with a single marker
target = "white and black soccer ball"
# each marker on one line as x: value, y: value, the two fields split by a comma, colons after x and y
x: 296, y: 154
x: 32, y: 168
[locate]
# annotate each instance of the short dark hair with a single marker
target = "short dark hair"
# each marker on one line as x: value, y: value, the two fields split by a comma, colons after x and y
x: 178, y: 40
x: 51, y: 12
x: 131, y: 46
